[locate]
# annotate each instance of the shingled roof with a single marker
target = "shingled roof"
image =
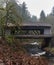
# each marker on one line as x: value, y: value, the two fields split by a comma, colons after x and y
x: 31, y: 24
x: 36, y: 24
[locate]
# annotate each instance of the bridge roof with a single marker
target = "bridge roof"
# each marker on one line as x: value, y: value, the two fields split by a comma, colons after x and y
x: 36, y: 24
x: 30, y: 25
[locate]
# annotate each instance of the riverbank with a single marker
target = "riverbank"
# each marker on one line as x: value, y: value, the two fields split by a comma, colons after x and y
x: 15, y: 55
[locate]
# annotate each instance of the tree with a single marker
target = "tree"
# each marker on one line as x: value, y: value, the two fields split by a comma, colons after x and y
x: 2, y: 21
x: 42, y: 16
x: 34, y: 18
x: 10, y: 14
x: 24, y: 10
x: 52, y: 13
x: 25, y: 13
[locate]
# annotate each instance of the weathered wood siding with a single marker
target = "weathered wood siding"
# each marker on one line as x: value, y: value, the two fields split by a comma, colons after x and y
x: 47, y: 31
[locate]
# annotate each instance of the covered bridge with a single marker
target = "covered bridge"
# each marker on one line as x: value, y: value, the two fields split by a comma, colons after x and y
x: 44, y: 28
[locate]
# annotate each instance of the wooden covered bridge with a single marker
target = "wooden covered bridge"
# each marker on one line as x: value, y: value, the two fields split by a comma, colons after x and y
x: 44, y: 28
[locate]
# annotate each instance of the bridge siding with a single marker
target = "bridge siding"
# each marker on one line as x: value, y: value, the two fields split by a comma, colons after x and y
x: 47, y: 31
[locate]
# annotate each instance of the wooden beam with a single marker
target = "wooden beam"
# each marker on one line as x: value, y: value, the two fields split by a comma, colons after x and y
x: 32, y: 36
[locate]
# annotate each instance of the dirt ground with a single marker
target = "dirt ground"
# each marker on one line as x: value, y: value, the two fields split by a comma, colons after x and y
x: 11, y: 55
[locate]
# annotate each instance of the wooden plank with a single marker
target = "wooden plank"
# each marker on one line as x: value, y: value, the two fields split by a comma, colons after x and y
x: 32, y: 36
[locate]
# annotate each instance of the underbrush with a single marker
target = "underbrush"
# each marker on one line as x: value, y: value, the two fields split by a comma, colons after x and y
x: 15, y: 54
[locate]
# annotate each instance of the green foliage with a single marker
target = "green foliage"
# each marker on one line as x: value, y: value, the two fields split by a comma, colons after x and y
x: 34, y: 18
x: 9, y: 14
x: 2, y: 21
x: 49, y: 19
x: 42, y: 16
x: 13, y: 15
x: 9, y: 39
x: 25, y: 13
x: 52, y: 13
